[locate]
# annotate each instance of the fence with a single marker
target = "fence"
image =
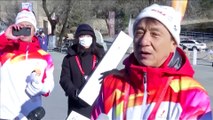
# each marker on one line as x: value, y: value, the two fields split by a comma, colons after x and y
x: 201, y: 36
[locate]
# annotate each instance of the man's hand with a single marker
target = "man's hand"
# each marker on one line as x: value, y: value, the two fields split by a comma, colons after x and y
x: 113, y: 71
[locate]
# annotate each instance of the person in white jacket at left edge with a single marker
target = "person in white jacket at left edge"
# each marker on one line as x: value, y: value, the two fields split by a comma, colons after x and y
x: 26, y: 71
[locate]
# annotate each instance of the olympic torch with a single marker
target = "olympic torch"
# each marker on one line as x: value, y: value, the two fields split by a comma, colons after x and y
x: 180, y: 5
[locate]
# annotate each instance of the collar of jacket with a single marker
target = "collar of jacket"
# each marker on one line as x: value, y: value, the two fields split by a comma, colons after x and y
x: 22, y: 46
x: 74, y: 50
x: 173, y: 61
x: 176, y: 61
x: 158, y: 76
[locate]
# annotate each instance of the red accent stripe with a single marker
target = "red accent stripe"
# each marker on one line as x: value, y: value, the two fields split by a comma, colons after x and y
x: 126, y: 99
x: 79, y: 64
x: 160, y: 96
x: 47, y: 94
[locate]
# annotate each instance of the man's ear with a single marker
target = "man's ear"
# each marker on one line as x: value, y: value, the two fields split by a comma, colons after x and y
x: 173, y: 44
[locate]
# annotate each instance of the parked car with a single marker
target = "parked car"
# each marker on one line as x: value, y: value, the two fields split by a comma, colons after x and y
x: 193, y: 44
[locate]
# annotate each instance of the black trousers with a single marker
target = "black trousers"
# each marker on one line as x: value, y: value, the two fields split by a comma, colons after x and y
x: 79, y: 107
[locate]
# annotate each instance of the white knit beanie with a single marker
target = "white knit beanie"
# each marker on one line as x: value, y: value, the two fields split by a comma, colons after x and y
x: 167, y: 15
x: 26, y: 15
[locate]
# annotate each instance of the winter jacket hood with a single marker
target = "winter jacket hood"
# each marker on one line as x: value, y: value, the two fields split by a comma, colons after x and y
x: 98, y: 50
x: 72, y: 50
x: 84, y: 29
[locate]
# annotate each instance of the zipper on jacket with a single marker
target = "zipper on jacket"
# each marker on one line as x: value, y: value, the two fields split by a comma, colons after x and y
x: 27, y: 52
x: 143, y: 109
x: 145, y: 88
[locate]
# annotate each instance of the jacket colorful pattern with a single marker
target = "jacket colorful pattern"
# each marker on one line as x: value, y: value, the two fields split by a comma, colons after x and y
x: 15, y: 54
x: 145, y: 93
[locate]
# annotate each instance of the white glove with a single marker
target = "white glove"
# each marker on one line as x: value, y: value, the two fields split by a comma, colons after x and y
x: 35, y: 86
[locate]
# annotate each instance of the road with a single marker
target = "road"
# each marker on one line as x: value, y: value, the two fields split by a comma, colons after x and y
x: 56, y: 104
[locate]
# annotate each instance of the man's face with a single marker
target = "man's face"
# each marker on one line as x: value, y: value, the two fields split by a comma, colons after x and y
x: 152, y: 43
x: 29, y: 25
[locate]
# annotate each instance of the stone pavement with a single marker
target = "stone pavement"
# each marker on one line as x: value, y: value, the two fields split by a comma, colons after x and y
x: 56, y: 104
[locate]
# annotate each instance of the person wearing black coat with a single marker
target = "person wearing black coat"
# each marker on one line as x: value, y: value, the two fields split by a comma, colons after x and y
x: 81, y: 60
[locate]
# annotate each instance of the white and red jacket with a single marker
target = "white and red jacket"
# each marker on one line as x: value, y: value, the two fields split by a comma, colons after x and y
x: 146, y: 93
x: 18, y: 60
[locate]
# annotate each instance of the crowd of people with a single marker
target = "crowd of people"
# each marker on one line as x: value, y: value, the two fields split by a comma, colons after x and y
x: 157, y: 81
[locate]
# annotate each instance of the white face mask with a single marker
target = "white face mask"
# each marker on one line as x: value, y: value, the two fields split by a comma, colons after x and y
x: 85, y: 41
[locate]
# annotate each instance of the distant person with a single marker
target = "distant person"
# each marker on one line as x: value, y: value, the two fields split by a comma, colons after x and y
x: 26, y: 71
x: 78, y: 65
x: 43, y: 40
x: 157, y: 81
x: 210, y: 53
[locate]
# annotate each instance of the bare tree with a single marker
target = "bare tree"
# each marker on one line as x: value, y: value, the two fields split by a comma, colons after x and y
x: 152, y: 1
x: 49, y: 15
x: 68, y: 8
x: 9, y: 13
x: 123, y: 10
x: 68, y: 13
x: 198, y: 9
x: 72, y: 12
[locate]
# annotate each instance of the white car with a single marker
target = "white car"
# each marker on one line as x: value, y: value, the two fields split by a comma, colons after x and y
x: 193, y: 44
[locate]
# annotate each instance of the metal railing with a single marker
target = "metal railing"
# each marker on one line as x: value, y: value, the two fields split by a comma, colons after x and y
x: 202, y: 36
